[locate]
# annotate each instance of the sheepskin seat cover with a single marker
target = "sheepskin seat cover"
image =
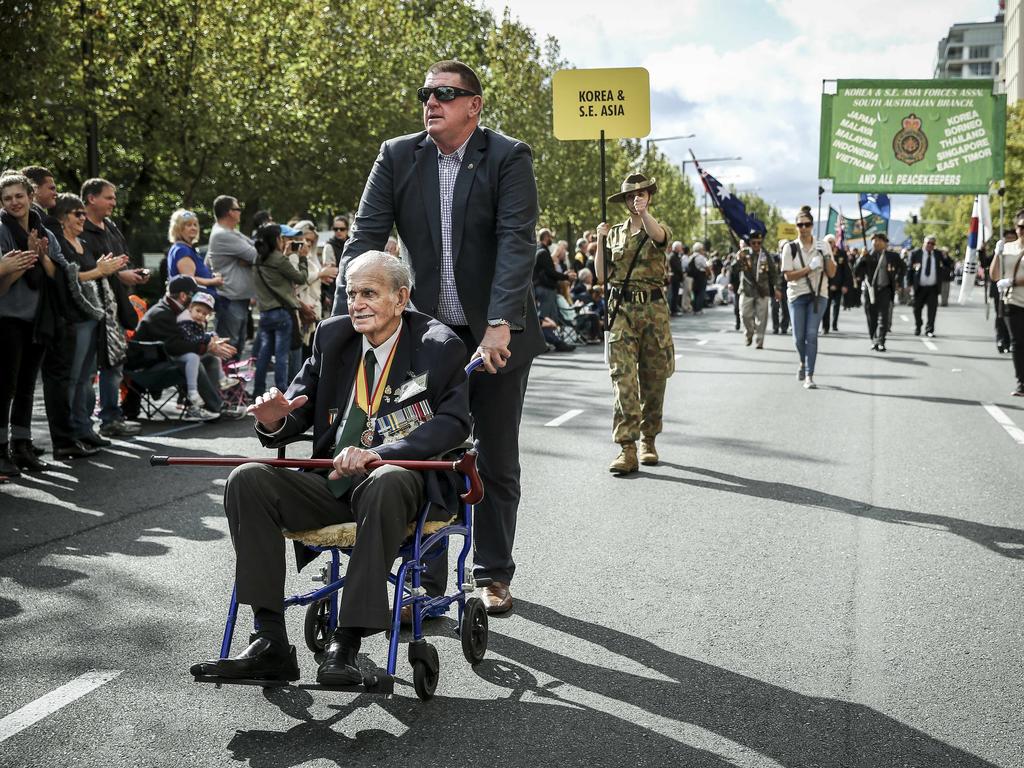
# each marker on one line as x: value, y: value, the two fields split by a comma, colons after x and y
x: 344, y: 534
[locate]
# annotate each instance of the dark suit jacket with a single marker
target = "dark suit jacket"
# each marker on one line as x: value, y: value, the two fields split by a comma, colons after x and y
x: 328, y: 375
x: 943, y: 266
x: 494, y: 214
x: 864, y: 269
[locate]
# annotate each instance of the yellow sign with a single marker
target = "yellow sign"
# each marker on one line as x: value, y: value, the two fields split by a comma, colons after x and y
x: 587, y: 101
x: 786, y: 231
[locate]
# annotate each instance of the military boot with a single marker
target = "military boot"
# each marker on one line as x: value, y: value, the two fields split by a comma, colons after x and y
x: 625, y: 462
x: 648, y: 453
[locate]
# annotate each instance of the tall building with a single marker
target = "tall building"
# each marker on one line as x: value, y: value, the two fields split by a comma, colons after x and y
x: 972, y: 50
x: 1013, y: 47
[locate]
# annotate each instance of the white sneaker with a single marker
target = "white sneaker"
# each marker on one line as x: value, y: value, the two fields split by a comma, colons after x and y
x: 233, y: 411
x: 228, y: 382
x: 809, y: 383
x: 198, y: 413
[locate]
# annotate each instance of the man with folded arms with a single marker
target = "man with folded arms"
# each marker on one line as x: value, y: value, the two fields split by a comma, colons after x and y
x: 383, y: 382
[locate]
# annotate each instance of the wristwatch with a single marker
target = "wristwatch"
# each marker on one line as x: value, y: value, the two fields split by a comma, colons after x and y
x: 499, y: 321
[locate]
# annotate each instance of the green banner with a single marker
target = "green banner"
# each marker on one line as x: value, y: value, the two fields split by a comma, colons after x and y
x: 912, y: 136
x: 856, y: 229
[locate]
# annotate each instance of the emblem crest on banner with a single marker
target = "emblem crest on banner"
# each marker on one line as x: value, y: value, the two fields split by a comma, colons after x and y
x: 910, y: 144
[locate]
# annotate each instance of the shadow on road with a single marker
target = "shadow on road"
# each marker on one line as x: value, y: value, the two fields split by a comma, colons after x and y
x: 920, y: 398
x: 594, y: 715
x: 1008, y: 542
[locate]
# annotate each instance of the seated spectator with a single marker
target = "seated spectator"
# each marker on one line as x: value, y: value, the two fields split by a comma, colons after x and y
x: 549, y: 327
x: 192, y: 323
x: 182, y: 259
x: 581, y: 286
x: 160, y: 323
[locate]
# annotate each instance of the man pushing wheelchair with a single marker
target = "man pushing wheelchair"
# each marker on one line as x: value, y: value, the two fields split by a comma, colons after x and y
x: 383, y: 382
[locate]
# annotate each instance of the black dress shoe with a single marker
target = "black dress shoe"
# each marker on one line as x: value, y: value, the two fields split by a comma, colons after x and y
x: 95, y: 441
x: 7, y: 466
x: 37, y: 450
x: 76, y: 450
x: 264, y: 659
x: 339, y: 664
x: 25, y: 457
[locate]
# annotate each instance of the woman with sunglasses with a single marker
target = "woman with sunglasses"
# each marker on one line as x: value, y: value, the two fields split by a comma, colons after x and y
x: 182, y: 259
x: 86, y: 312
x: 807, y: 264
x: 331, y: 257
x: 1007, y: 270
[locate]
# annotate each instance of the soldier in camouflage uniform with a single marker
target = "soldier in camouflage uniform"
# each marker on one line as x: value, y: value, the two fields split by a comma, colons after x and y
x: 641, y: 355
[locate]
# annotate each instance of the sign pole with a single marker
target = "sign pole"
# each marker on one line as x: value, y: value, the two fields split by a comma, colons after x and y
x: 821, y: 191
x: 604, y: 196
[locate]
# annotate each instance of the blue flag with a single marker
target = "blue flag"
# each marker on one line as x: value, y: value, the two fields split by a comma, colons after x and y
x: 733, y: 209
x: 876, y: 204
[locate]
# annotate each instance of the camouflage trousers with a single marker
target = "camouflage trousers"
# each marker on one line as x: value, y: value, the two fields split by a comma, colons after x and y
x: 641, y: 357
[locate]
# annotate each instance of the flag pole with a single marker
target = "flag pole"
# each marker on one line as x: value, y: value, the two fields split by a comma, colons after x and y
x: 821, y: 191
x: 604, y: 218
x: 707, y: 193
x: 863, y: 228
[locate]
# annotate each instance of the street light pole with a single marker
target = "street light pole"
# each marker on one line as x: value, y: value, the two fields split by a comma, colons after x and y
x: 647, y: 150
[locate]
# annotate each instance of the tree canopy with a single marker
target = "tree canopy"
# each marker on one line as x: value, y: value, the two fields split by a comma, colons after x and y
x: 281, y: 103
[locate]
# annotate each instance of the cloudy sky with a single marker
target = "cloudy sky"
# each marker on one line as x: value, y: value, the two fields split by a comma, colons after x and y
x: 745, y: 76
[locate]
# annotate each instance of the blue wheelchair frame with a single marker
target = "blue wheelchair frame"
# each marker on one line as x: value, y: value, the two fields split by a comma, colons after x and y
x: 414, y: 553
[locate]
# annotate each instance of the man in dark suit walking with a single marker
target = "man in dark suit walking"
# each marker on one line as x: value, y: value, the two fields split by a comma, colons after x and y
x: 381, y: 361
x: 928, y: 266
x: 464, y: 201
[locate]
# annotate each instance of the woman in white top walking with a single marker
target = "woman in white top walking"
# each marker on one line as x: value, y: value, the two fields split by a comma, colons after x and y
x: 807, y: 264
x: 1008, y: 273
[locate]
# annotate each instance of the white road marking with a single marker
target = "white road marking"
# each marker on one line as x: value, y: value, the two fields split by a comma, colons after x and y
x: 1005, y: 422
x: 905, y: 318
x: 564, y: 417
x: 957, y: 370
x: 930, y: 345
x: 678, y: 356
x: 191, y: 425
x: 46, y: 705
x: 702, y: 342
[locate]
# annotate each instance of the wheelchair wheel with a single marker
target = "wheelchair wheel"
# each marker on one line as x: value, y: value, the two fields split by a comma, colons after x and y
x: 423, y: 680
x: 316, y: 627
x: 474, y: 630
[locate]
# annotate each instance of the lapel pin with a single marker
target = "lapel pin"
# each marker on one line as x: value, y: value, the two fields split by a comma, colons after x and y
x: 470, y: 166
x: 387, y: 390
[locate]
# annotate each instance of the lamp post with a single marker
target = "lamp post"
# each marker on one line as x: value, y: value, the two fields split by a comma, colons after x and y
x: 647, y: 149
x: 706, y: 160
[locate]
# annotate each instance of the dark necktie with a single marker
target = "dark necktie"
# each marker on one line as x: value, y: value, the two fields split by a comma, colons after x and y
x: 927, y: 264
x: 355, y: 423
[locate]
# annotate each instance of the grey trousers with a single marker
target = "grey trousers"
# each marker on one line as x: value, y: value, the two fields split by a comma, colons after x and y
x: 260, y: 501
x: 755, y: 315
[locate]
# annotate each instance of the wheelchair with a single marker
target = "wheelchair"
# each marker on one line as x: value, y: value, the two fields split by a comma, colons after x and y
x: 425, y: 541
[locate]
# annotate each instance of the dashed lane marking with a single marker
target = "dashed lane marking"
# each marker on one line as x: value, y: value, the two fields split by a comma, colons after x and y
x: 46, y: 705
x: 905, y: 318
x: 564, y: 417
x: 702, y: 342
x: 1005, y: 422
x: 930, y: 345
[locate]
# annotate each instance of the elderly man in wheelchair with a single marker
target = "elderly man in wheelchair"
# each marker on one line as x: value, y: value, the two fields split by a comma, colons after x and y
x: 383, y: 382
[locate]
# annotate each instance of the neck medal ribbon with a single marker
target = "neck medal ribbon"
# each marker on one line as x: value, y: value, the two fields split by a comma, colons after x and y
x: 371, y: 403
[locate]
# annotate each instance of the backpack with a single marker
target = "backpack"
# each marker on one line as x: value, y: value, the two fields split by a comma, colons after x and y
x: 692, y: 270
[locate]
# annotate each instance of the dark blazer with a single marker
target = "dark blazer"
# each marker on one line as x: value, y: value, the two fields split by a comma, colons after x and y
x: 943, y: 266
x: 494, y: 214
x: 864, y: 269
x: 328, y: 375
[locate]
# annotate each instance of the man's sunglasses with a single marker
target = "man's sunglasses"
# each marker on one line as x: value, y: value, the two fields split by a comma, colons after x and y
x: 443, y: 93
x: 803, y: 224
x: 341, y: 229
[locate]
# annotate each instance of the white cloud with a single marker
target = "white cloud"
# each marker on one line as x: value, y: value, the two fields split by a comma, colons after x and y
x: 759, y: 100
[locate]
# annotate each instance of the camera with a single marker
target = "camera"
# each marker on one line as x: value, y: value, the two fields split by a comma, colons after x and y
x: 294, y: 246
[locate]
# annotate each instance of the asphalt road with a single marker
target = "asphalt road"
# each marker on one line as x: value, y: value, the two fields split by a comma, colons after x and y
x: 824, y: 578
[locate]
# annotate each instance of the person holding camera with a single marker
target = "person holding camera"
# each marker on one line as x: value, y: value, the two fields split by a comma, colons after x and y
x: 275, y: 279
x: 1007, y: 270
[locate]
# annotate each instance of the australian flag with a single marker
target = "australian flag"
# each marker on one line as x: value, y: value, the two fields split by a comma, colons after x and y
x: 733, y: 210
x: 876, y: 203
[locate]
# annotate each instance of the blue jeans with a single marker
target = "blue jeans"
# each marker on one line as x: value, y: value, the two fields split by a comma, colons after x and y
x: 805, y: 313
x: 83, y: 367
x: 232, y: 315
x: 110, y: 393
x: 276, y: 340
